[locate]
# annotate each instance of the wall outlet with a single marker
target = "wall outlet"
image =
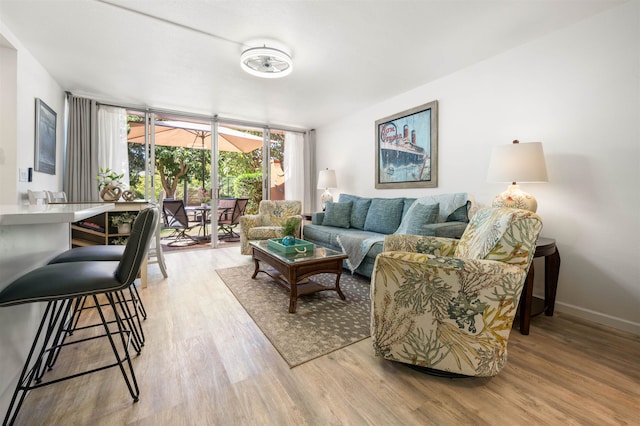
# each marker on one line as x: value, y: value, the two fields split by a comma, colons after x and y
x: 23, y: 175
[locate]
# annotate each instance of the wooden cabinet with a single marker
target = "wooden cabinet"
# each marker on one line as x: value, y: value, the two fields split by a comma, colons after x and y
x: 98, y: 230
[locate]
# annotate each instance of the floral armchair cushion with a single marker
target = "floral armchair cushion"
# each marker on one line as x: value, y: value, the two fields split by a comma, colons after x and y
x: 436, y: 309
x: 268, y: 222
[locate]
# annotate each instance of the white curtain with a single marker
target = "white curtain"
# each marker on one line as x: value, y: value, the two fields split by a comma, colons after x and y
x: 294, y: 166
x: 112, y: 141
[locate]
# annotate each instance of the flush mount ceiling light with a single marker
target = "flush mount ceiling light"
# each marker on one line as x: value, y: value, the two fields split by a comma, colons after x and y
x: 266, y: 62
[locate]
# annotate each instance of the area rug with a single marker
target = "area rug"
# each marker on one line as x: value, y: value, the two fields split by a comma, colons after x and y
x: 322, y: 323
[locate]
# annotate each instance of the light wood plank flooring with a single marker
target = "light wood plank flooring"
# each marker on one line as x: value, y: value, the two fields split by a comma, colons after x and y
x: 206, y: 363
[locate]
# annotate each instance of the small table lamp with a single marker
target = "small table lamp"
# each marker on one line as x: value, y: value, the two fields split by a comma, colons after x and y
x: 518, y: 162
x: 326, y: 180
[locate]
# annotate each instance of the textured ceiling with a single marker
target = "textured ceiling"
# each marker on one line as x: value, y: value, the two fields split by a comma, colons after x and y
x: 184, y: 55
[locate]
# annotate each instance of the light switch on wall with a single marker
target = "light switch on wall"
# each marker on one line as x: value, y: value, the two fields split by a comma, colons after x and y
x: 23, y: 175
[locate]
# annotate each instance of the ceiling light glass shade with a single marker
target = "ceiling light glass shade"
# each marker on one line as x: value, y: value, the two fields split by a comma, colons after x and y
x: 518, y: 162
x: 266, y: 62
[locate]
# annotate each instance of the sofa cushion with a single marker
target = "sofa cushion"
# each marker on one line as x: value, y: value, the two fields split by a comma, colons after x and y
x: 343, y: 198
x: 448, y: 203
x: 408, y: 202
x: 324, y: 235
x: 358, y: 210
x: 337, y: 214
x: 461, y: 214
x: 417, y: 217
x: 264, y: 232
x: 328, y: 235
x: 384, y: 215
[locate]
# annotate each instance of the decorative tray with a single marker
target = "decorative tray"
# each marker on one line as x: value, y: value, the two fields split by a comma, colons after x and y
x: 300, y: 246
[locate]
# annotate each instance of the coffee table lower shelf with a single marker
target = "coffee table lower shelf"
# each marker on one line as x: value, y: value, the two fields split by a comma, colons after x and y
x: 294, y: 276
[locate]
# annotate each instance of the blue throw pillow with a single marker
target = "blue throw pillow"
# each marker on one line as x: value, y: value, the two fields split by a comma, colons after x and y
x: 461, y: 214
x: 358, y: 210
x: 420, y: 215
x: 408, y: 202
x: 348, y: 197
x: 384, y: 215
x: 337, y: 214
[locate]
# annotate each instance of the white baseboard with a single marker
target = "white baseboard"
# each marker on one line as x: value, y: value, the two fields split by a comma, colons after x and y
x: 598, y: 317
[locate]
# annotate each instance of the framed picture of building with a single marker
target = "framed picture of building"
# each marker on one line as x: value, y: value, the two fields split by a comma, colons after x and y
x: 45, y: 149
x: 407, y: 148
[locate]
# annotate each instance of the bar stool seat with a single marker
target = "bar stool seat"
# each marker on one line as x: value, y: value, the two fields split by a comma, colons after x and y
x: 62, y: 281
x: 90, y: 253
x: 59, y: 285
x: 113, y: 253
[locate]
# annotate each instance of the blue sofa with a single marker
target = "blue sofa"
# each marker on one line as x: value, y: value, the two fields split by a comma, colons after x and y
x: 358, y: 225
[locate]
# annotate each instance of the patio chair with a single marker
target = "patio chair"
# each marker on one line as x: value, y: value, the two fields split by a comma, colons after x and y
x: 230, y: 210
x: 175, y: 217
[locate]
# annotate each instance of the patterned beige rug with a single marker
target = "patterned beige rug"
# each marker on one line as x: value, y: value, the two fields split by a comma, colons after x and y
x: 322, y: 323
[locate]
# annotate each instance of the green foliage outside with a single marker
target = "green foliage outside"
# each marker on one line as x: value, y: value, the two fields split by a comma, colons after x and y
x: 240, y: 174
x: 249, y: 185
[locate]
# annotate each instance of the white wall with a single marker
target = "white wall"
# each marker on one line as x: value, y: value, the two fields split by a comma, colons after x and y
x: 22, y: 248
x: 576, y: 90
x: 27, y: 81
x: 8, y: 148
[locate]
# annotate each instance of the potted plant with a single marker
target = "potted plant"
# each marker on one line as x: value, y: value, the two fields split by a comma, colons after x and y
x: 123, y: 222
x: 289, y: 228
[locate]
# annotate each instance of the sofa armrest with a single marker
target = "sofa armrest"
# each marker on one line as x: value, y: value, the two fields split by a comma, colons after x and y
x: 419, y: 244
x: 317, y: 218
x: 247, y: 222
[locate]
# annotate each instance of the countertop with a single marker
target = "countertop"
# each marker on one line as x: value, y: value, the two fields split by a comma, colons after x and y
x: 15, y: 214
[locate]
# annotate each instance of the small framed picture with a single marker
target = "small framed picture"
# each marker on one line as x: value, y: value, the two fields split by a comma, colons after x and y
x: 45, y: 152
x: 407, y: 148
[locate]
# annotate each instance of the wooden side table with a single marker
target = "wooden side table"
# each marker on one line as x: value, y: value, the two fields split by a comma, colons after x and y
x: 545, y: 247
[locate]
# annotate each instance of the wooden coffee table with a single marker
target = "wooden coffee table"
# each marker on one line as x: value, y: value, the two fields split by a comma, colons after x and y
x: 293, y: 270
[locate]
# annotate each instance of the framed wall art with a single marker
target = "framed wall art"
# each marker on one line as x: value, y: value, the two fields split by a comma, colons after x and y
x: 407, y: 148
x: 45, y: 152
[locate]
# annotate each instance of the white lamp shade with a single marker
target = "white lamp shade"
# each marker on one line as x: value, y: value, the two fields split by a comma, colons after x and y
x: 518, y: 162
x: 327, y: 179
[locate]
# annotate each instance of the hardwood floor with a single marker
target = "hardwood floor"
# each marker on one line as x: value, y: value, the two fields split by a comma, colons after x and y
x: 206, y: 363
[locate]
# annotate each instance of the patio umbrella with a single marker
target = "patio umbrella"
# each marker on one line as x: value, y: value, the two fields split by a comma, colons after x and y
x: 198, y: 136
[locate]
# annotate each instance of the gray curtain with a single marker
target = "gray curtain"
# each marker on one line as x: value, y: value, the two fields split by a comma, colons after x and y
x: 81, y: 165
x: 310, y: 174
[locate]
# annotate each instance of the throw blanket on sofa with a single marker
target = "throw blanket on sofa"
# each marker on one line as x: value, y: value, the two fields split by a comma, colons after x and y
x: 357, y: 247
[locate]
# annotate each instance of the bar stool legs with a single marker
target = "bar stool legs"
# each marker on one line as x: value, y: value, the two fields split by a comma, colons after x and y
x: 48, y: 342
x: 63, y: 286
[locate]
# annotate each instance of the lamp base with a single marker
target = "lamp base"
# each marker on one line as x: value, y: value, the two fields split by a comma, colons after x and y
x: 515, y: 198
x: 325, y: 198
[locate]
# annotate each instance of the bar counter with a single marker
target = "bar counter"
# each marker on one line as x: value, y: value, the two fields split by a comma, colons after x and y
x: 30, y: 236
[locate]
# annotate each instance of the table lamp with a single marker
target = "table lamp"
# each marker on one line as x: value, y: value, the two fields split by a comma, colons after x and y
x: 518, y: 162
x: 326, y: 180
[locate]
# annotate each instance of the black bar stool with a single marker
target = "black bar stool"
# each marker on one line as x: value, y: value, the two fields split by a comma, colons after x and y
x: 59, y: 285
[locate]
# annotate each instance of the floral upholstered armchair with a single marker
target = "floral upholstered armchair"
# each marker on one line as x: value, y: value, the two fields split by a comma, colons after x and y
x: 447, y: 304
x: 268, y: 222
